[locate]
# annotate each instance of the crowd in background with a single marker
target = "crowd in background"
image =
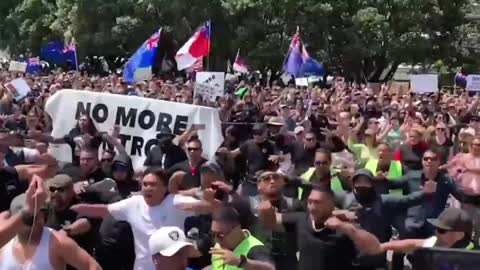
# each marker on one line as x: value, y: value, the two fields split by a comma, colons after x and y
x: 306, y: 178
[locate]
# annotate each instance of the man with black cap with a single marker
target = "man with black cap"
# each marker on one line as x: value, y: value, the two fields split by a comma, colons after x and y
x: 257, y: 152
x: 165, y: 154
x: 453, y: 230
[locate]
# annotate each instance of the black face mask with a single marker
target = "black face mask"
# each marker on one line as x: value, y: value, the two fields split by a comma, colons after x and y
x: 164, y: 142
x: 365, y: 195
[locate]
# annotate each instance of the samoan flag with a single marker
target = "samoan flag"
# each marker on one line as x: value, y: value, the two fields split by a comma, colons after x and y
x: 33, y: 65
x: 139, y: 67
x: 299, y: 63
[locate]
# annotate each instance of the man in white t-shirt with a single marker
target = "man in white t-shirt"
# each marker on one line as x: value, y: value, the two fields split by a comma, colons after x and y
x: 145, y: 213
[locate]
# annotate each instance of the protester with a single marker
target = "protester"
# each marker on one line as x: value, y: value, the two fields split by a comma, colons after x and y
x: 52, y: 249
x: 171, y: 249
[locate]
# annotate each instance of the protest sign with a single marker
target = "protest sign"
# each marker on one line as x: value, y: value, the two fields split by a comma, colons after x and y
x: 140, y: 119
x: 210, y: 85
x: 473, y: 82
x: 424, y: 83
x: 18, y: 88
x: 16, y: 66
x: 398, y: 88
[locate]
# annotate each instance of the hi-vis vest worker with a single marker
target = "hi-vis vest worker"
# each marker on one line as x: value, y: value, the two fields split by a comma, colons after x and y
x: 335, y: 183
x: 394, y: 172
x: 242, y: 249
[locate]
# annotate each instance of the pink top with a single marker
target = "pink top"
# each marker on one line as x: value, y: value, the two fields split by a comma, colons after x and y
x: 469, y: 181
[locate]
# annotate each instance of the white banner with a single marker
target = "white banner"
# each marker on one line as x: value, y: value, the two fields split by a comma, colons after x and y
x: 210, y: 85
x: 140, y: 120
x: 473, y: 82
x: 424, y: 83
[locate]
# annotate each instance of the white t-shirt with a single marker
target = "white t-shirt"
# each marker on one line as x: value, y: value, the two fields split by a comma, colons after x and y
x: 145, y: 220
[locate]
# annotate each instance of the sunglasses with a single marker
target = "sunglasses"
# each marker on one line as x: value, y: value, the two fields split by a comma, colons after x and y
x: 429, y: 159
x: 320, y: 163
x: 257, y: 133
x: 106, y: 160
x: 56, y: 189
x: 309, y: 139
x: 193, y: 149
x: 440, y: 129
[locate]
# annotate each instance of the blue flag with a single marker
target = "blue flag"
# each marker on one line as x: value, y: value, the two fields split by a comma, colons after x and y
x: 139, y: 67
x: 53, y: 52
x: 34, y: 66
x: 299, y: 63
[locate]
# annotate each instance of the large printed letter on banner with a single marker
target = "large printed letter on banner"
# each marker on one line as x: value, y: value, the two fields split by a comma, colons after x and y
x: 139, y: 119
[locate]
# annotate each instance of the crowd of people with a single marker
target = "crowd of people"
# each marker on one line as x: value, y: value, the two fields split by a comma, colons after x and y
x: 306, y: 178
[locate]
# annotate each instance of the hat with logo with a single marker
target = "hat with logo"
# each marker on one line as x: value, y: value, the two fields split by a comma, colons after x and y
x: 453, y: 219
x: 167, y: 241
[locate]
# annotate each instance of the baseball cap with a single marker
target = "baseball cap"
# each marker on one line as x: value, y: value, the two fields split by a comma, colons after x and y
x: 453, y: 219
x: 60, y: 180
x: 167, y: 241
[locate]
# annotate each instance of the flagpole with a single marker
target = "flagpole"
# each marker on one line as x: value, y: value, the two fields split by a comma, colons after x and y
x: 210, y: 37
x: 75, y: 53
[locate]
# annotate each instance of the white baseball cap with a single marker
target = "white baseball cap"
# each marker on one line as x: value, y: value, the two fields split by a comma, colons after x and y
x: 168, y: 241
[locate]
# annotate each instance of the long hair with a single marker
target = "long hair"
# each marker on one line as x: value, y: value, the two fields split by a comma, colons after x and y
x: 91, y: 128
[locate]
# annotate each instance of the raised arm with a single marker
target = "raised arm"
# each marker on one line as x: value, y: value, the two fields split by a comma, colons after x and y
x: 91, y: 210
x: 74, y: 255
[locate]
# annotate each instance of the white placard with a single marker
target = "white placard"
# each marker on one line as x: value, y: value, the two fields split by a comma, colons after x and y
x: 16, y: 66
x: 301, y: 81
x: 210, y: 85
x: 140, y: 120
x: 18, y: 88
x: 473, y: 82
x: 424, y: 83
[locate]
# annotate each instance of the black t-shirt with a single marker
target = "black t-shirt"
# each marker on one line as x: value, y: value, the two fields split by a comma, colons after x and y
x: 319, y: 250
x: 442, y: 149
x: 257, y: 156
x: 192, y: 177
x: 10, y: 187
x: 260, y: 253
x: 173, y: 155
x: 63, y: 218
x: 302, y: 158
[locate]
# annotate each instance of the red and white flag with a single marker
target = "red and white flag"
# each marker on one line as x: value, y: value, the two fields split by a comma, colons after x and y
x: 239, y: 65
x: 197, y: 47
x: 198, y: 66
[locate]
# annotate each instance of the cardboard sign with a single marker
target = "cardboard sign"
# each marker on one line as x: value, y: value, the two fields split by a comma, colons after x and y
x: 18, y: 88
x: 473, y: 82
x: 424, y: 83
x: 16, y: 66
x: 398, y: 88
x: 210, y: 85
